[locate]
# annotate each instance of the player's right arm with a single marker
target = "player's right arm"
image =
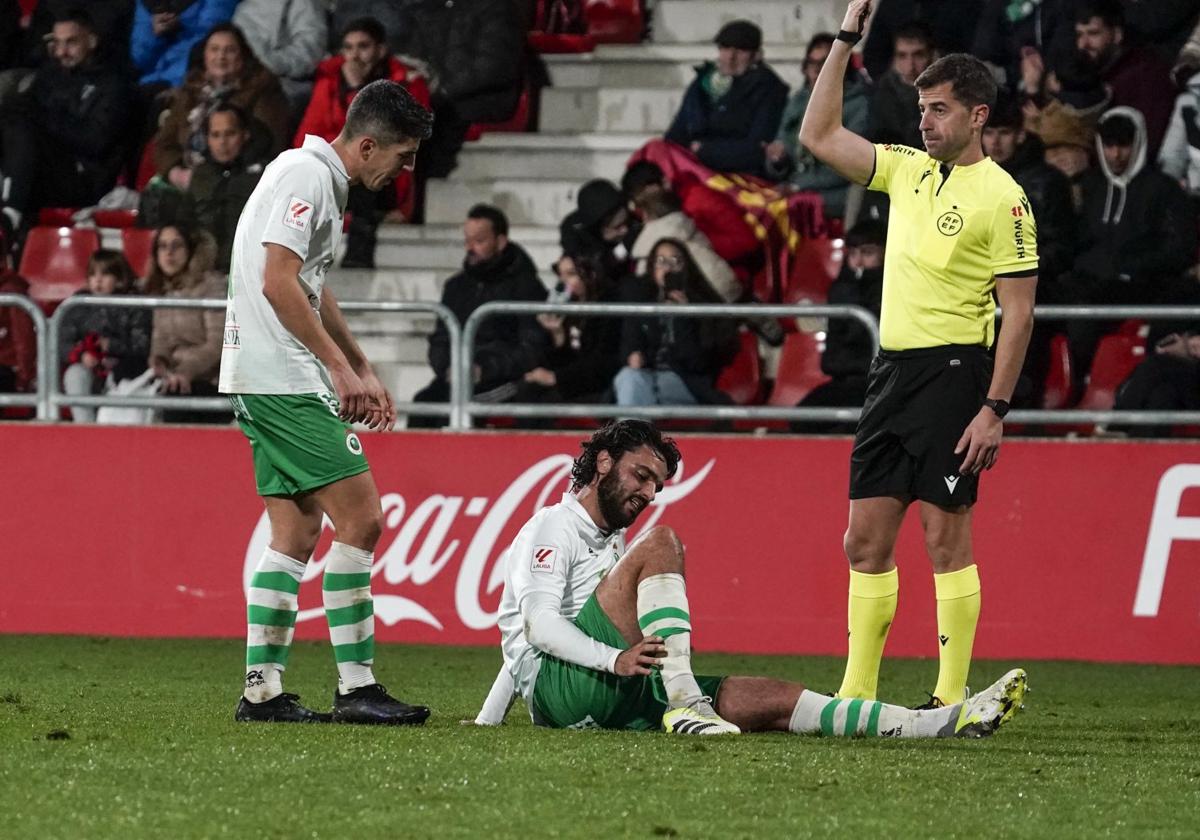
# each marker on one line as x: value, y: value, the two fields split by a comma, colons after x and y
x: 282, y: 289
x: 822, y: 132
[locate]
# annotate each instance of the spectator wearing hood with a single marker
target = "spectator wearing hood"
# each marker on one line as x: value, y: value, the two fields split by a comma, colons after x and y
x: 731, y: 110
x: 787, y: 159
x: 1137, y: 232
x: 506, y: 347
x: 849, y: 348
x: 600, y: 226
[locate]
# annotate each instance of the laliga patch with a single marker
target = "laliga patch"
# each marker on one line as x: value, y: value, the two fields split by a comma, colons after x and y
x: 543, y: 558
x: 297, y: 214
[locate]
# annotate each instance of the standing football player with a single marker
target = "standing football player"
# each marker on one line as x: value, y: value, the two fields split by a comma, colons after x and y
x: 297, y: 380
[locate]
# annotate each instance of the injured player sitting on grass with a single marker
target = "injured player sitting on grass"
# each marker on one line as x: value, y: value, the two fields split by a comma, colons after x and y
x: 598, y: 635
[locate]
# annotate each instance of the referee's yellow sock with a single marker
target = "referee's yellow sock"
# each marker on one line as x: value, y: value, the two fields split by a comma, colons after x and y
x: 871, y: 610
x: 958, y: 602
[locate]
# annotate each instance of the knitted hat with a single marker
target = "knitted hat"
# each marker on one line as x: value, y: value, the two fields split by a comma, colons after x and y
x: 598, y: 200
x: 741, y: 35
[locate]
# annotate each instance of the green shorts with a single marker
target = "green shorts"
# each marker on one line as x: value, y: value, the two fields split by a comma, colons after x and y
x: 569, y: 696
x: 298, y: 441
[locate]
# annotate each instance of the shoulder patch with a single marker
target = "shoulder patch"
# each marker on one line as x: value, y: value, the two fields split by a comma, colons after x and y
x: 298, y: 213
x: 544, y: 557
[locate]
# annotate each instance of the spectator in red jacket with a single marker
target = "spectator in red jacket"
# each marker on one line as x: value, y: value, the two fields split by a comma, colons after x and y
x: 365, y: 58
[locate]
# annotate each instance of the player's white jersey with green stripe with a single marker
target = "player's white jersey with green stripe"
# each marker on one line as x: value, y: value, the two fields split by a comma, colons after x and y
x: 562, y: 553
x: 299, y: 204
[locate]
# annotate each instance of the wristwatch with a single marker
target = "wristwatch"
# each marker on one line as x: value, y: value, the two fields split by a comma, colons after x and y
x: 999, y: 407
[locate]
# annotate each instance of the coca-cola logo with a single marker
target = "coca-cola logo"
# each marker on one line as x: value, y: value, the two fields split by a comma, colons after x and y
x: 401, y: 562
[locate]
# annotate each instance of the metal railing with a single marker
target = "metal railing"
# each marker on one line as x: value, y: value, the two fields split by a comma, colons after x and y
x: 42, y: 377
x: 470, y: 408
x: 54, y: 396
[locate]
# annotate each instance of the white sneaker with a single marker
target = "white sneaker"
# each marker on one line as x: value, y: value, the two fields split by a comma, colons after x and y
x: 991, y: 708
x: 697, y: 719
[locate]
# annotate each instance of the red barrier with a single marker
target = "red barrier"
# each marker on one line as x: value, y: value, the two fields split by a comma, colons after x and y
x: 1086, y: 550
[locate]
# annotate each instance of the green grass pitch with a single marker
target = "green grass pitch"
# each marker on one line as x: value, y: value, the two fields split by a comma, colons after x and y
x: 130, y: 738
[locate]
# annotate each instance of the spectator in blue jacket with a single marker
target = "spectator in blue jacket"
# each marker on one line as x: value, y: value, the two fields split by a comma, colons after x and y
x: 730, y: 112
x: 164, y: 32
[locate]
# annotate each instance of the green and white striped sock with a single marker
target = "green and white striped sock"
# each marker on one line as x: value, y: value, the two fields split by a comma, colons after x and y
x: 346, y: 592
x: 271, y: 607
x: 824, y: 715
x: 662, y: 609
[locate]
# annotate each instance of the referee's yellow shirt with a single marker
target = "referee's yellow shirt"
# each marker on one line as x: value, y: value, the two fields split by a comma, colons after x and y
x: 951, y: 232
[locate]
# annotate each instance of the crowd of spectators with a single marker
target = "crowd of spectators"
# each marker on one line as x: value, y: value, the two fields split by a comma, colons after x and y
x: 1098, y: 120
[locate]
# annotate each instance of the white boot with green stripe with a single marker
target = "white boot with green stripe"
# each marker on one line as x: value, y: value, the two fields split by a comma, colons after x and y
x: 662, y: 608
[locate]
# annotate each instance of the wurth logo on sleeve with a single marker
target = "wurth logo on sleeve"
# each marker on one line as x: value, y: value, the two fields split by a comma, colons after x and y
x: 298, y: 213
x: 543, y: 558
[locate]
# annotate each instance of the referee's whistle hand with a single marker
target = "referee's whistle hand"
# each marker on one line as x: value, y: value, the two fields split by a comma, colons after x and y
x: 980, y: 442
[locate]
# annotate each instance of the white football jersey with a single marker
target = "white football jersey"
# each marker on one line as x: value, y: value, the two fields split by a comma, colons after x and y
x: 560, y: 552
x: 299, y: 204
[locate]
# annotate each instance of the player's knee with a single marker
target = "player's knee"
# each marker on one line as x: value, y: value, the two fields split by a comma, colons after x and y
x: 665, y: 545
x: 367, y: 530
x: 866, y: 553
x: 945, y: 550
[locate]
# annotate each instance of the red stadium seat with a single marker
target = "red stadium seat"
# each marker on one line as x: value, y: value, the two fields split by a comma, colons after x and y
x: 742, y: 378
x: 54, y: 262
x: 799, y: 370
x: 138, y: 245
x: 115, y: 218
x: 145, y: 170
x: 1056, y: 393
x: 57, y: 216
x: 520, y: 121
x: 814, y: 266
x: 615, y: 21
x: 545, y: 42
x: 1116, y: 357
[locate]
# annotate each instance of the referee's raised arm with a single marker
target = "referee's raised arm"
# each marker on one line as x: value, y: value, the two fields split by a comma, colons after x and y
x: 822, y: 132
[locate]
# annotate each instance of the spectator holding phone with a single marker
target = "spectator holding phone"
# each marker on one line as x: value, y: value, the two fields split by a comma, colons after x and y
x: 669, y: 360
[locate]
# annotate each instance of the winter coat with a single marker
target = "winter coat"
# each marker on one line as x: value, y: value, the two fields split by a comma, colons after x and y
x: 894, y: 114
x: 678, y: 226
x: 475, y: 51
x: 732, y: 130
x: 1180, y: 153
x: 506, y: 345
x: 127, y: 331
x: 697, y: 349
x: 801, y: 169
x: 83, y: 116
x: 589, y: 359
x: 1136, y: 227
x: 849, y: 348
x: 1047, y: 25
x: 288, y: 36
x: 180, y: 140
x: 188, y: 341
x: 949, y: 21
x: 217, y: 195
x: 1140, y: 79
x: 113, y: 21
x: 1049, y: 193
x: 165, y: 60
x: 18, y: 337
x: 331, y: 97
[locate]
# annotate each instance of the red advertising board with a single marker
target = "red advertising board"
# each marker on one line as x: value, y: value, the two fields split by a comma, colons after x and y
x: 1086, y: 550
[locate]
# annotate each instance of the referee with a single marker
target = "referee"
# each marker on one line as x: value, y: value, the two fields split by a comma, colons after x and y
x: 960, y: 230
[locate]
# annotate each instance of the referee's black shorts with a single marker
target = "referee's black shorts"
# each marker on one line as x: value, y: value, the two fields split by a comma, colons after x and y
x: 919, y: 402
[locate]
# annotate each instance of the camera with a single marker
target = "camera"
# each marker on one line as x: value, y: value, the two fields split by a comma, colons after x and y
x: 675, y: 281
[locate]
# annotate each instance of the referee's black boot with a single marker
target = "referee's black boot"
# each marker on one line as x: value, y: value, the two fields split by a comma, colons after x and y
x: 283, y: 708
x: 372, y: 704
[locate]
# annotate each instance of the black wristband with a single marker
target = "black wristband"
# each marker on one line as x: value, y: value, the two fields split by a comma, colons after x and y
x: 850, y: 38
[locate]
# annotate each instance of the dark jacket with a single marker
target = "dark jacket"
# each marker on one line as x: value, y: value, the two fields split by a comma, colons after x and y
x: 83, y: 114
x: 165, y: 60
x: 127, y: 331
x: 849, y: 348
x: 697, y: 349
x: 734, y: 129
x: 894, y: 114
x: 217, y: 195
x: 475, y: 50
x: 505, y: 346
x: 1142, y: 80
x: 1049, y: 192
x: 113, y: 20
x: 949, y: 20
x: 1137, y: 228
x: 1049, y: 27
x: 586, y: 364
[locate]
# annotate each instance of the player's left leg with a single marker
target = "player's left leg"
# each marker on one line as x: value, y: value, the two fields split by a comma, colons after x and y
x: 645, y: 595
x: 956, y: 586
x: 759, y: 704
x: 353, y: 505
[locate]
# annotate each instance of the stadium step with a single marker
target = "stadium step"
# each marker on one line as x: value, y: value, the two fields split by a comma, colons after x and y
x: 782, y: 21
x: 440, y: 246
x: 526, y: 201
x: 646, y: 110
x: 595, y: 155
x: 668, y: 66
x: 400, y: 284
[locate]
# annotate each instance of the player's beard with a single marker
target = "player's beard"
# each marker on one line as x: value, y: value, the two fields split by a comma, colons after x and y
x: 614, y: 505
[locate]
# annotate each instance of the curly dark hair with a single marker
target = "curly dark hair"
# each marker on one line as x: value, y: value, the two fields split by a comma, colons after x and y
x: 616, y: 438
